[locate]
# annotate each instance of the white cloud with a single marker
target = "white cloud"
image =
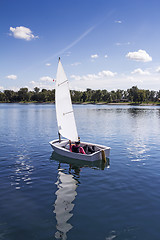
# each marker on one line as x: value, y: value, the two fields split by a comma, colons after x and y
x: 48, y: 64
x: 46, y: 79
x: 1, y: 88
x: 140, y: 71
x: 106, y: 56
x: 134, y: 80
x: 32, y: 82
x: 43, y: 83
x: 76, y: 77
x: 118, y: 44
x: 111, y: 80
x: 101, y: 80
x: 118, y: 21
x: 13, y: 77
x: 22, y: 33
x: 158, y: 69
x: 67, y: 54
x: 106, y: 74
x: 15, y: 89
x: 92, y: 77
x: 122, y: 44
x: 75, y: 64
x: 140, y: 55
x: 94, y: 56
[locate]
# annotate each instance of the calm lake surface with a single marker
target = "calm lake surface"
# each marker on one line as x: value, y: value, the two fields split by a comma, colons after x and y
x: 43, y: 198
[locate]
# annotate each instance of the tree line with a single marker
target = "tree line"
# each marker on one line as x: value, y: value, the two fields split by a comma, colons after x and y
x: 132, y: 95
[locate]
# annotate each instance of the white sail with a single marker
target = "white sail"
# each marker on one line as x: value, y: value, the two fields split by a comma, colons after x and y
x: 64, y: 111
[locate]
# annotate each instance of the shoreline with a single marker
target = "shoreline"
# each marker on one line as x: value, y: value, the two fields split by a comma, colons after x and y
x: 89, y: 103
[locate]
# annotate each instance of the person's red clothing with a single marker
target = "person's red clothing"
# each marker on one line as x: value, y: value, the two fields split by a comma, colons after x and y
x: 81, y: 150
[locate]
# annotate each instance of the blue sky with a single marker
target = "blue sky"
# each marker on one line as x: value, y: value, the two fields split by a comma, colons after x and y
x: 103, y: 44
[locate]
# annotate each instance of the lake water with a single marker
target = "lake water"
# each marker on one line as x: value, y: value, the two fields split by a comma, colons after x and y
x: 42, y: 198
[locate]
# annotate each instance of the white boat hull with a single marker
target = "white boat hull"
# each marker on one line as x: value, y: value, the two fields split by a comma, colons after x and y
x: 63, y: 149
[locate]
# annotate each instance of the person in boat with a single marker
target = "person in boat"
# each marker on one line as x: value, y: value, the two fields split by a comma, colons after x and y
x: 89, y: 149
x: 76, y: 147
x: 84, y: 150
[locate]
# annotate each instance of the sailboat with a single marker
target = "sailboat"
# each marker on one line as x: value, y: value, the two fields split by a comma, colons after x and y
x: 67, y: 125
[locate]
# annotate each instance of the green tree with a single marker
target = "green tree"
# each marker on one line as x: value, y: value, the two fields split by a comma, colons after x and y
x: 113, y: 96
x: 133, y: 94
x: 36, y: 89
x: 23, y: 94
x: 141, y: 96
x: 9, y: 95
x: 106, y: 97
x: 158, y: 95
x: 96, y: 96
x: 2, y: 97
x: 119, y: 94
x: 76, y: 96
x: 51, y: 95
x: 36, y: 96
x: 84, y: 97
x: 89, y: 94
x: 152, y: 96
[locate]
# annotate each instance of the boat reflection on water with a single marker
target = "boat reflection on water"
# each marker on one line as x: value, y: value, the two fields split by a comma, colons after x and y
x: 67, y: 183
x: 76, y: 163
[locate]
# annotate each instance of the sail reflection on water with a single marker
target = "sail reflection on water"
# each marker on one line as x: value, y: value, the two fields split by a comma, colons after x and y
x: 67, y: 183
x: 64, y: 205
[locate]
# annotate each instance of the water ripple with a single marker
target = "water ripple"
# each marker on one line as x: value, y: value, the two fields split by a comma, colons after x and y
x: 23, y: 169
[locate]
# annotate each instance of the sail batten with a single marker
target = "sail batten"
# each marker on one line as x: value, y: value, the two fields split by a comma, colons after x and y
x: 64, y: 110
x: 67, y: 112
x: 62, y: 83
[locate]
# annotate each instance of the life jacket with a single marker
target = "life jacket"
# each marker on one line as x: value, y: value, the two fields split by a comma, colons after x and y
x: 75, y: 149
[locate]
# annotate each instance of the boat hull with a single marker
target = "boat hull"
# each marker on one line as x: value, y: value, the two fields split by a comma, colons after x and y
x: 62, y: 148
